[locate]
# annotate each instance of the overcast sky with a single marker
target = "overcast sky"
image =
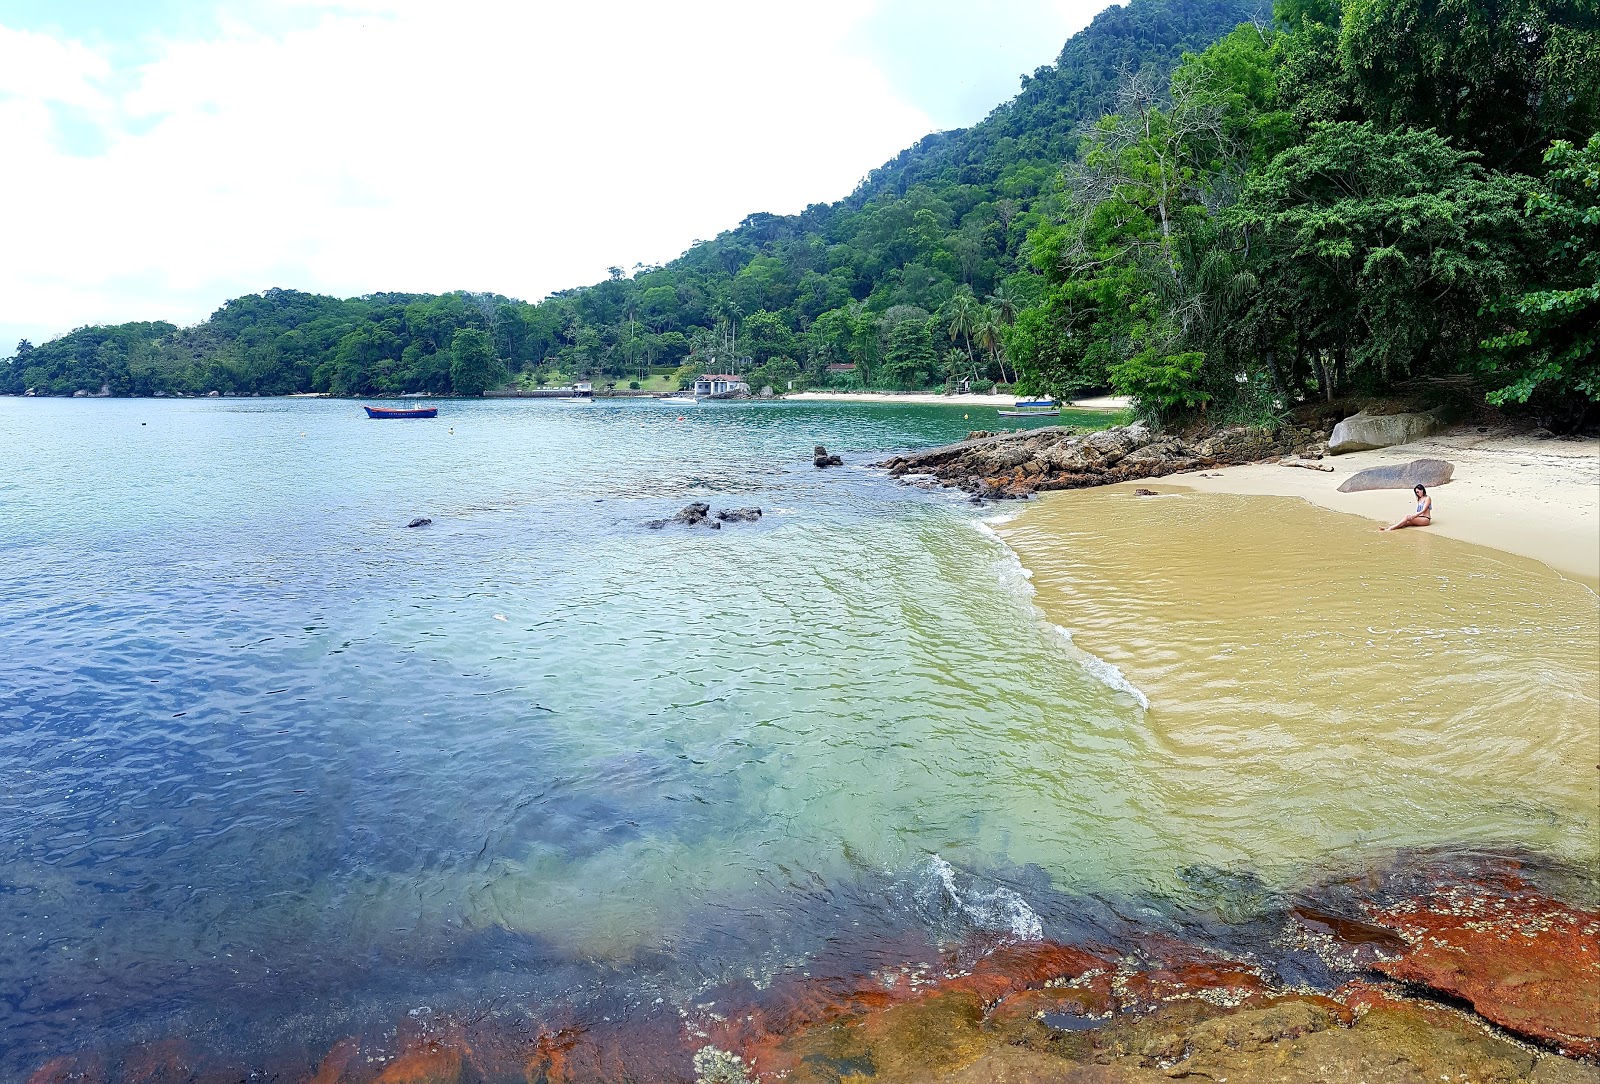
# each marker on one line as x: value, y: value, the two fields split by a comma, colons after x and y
x: 160, y: 156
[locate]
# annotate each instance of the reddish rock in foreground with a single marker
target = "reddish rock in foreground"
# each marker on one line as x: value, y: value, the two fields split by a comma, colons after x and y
x: 1521, y: 959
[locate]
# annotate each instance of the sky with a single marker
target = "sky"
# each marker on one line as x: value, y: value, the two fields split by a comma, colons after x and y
x: 158, y: 157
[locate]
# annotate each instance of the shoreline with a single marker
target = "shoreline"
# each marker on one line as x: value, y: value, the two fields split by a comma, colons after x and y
x: 1533, y: 498
x: 1109, y: 403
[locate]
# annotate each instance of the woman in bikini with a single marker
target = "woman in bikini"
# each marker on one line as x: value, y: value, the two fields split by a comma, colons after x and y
x: 1422, y: 516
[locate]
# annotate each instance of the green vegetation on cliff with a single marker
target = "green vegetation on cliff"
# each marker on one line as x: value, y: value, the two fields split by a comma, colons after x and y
x: 1200, y: 204
x: 1353, y: 198
x: 866, y: 281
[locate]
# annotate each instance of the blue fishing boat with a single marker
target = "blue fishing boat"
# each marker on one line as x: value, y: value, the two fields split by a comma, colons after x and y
x: 410, y: 412
x: 1032, y: 408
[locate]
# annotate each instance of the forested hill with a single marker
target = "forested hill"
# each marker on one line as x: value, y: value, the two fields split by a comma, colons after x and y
x: 1209, y: 209
x: 939, y: 231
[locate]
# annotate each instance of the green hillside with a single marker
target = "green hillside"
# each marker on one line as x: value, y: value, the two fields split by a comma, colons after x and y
x: 789, y: 294
x: 1215, y: 210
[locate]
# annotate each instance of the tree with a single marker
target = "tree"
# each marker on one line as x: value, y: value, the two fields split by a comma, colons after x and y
x: 909, y: 357
x: 1393, y: 243
x: 1546, y: 347
x: 961, y: 317
x: 473, y: 368
x: 359, y: 353
x: 1503, y: 78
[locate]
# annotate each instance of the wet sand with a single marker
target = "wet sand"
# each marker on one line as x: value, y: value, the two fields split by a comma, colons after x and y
x: 1319, y: 690
x: 1534, y: 498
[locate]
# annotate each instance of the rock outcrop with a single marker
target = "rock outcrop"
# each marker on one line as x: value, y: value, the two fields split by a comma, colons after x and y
x: 821, y: 458
x: 1521, y: 959
x: 1427, y: 472
x: 1363, y: 432
x: 1011, y: 465
x: 697, y: 514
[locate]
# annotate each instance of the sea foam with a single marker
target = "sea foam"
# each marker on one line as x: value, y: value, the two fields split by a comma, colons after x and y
x: 1016, y: 577
x: 946, y: 892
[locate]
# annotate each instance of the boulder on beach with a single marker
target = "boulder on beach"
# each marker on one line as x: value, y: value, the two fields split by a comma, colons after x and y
x: 1426, y: 472
x: 1363, y: 432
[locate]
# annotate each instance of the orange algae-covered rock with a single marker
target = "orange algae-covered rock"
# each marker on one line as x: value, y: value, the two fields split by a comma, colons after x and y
x: 86, y: 1068
x: 338, y: 1063
x: 431, y: 1063
x: 1011, y: 968
x: 1522, y: 960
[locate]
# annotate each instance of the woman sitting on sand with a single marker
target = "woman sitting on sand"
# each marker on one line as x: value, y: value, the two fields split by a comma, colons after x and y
x: 1422, y: 516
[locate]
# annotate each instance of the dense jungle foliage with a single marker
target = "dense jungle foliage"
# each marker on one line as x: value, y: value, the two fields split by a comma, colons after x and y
x: 1209, y: 206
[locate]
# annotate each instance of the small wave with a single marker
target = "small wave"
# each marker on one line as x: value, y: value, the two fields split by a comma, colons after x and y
x: 1018, y: 578
x: 945, y: 894
x: 1106, y: 672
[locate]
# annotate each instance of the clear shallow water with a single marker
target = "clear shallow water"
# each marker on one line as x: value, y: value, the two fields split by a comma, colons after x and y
x: 274, y: 767
x: 259, y: 742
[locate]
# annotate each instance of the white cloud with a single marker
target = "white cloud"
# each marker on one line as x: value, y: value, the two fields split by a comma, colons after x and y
x: 407, y: 145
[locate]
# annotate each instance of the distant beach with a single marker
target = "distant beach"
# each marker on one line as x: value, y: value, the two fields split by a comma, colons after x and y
x: 928, y: 398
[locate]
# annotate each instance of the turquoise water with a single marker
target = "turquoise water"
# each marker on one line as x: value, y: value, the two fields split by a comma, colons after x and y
x: 276, y: 769
x: 272, y: 763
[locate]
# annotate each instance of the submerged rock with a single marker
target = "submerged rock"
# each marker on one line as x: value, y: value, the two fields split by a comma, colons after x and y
x: 691, y: 515
x: 420, y: 521
x: 739, y: 515
x: 1427, y: 472
x: 1362, y: 431
x: 821, y: 458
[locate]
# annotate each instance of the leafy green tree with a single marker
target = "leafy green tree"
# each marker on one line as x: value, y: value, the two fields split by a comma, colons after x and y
x: 1503, y: 78
x: 961, y: 315
x: 767, y: 335
x: 909, y: 357
x: 1546, y: 348
x: 473, y: 367
x: 1394, y: 241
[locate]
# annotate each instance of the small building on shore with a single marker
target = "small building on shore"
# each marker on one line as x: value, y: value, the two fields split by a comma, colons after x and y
x: 713, y: 384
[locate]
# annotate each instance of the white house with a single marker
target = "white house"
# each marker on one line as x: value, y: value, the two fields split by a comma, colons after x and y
x: 720, y: 384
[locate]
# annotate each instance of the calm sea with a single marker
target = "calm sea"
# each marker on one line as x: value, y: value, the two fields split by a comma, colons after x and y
x: 275, y: 768
x: 273, y: 764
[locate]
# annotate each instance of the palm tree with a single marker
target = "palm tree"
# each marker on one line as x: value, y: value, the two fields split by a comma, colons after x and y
x: 989, y: 337
x: 962, y: 313
x: 1004, y: 304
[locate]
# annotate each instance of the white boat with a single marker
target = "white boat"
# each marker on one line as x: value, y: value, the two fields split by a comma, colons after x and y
x: 691, y: 400
x: 581, y: 393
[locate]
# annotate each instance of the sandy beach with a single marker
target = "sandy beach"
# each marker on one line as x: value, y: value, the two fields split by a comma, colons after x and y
x: 1535, y: 498
x: 1103, y: 402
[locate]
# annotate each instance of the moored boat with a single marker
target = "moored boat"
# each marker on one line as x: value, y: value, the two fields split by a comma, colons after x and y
x: 1032, y: 408
x: 581, y: 393
x: 401, y: 412
x: 689, y: 399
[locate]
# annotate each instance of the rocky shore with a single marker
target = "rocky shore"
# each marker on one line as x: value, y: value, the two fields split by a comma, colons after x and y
x: 1000, y: 466
x: 1431, y: 971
